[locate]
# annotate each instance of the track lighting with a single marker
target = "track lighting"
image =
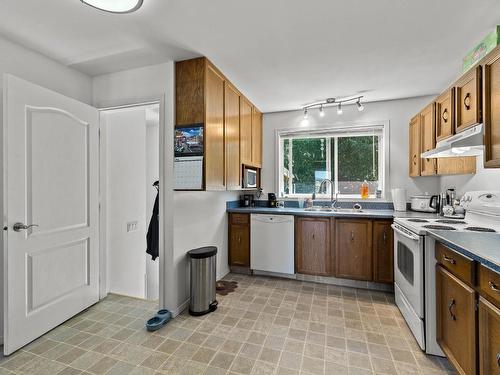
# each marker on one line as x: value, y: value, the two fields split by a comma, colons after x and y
x: 360, y: 106
x: 331, y: 102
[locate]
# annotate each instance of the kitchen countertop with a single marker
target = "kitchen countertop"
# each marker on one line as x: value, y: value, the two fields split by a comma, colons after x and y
x: 482, y: 247
x: 379, y: 214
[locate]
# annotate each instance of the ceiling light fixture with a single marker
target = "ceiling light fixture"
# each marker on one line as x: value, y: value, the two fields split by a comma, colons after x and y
x: 333, y: 101
x: 115, y: 6
x: 360, y: 106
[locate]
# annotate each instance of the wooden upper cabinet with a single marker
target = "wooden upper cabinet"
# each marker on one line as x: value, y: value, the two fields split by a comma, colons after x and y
x: 492, y: 110
x: 232, y: 137
x: 256, y: 138
x: 383, y: 250
x: 445, y: 114
x: 245, y: 131
x: 190, y: 91
x: 353, y: 249
x: 414, y: 146
x: 468, y: 100
x: 456, y: 321
x: 313, y: 246
x: 489, y: 338
x: 428, y: 139
x: 214, y: 130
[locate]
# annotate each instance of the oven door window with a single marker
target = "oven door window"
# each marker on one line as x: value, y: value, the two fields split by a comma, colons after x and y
x: 406, y: 262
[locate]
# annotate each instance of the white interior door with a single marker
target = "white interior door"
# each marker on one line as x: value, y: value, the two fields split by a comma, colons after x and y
x: 51, y: 161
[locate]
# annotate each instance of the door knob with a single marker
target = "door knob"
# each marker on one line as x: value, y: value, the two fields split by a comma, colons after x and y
x: 20, y: 226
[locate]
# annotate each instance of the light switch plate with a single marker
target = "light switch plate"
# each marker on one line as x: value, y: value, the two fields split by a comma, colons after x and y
x: 132, y: 226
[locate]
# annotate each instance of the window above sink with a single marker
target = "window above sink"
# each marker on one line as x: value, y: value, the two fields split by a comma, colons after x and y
x: 346, y: 155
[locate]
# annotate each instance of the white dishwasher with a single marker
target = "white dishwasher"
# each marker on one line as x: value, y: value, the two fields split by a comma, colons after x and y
x: 272, y: 243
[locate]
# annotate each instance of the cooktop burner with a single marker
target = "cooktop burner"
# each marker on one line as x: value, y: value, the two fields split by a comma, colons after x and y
x: 418, y: 220
x: 480, y: 229
x: 440, y: 227
x: 447, y: 221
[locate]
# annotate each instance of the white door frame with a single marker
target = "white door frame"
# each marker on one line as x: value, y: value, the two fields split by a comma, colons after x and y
x: 102, y: 198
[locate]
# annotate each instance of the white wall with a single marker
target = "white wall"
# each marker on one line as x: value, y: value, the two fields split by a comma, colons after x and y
x: 34, y: 67
x: 152, y: 174
x: 484, y: 179
x: 397, y: 112
x: 126, y: 201
x: 193, y: 219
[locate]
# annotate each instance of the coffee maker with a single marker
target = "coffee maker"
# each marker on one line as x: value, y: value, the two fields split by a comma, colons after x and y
x: 271, y: 200
x: 246, y: 200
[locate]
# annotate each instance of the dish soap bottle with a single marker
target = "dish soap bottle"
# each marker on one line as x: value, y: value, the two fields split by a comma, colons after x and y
x: 364, y: 190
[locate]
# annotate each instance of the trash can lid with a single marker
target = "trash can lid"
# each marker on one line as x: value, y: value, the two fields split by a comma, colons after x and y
x: 203, y: 252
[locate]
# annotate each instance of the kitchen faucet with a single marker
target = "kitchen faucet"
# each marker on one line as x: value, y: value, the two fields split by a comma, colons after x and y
x: 332, y: 186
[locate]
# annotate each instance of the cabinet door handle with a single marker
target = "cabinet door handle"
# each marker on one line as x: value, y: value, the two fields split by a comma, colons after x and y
x: 313, y: 236
x: 445, y: 115
x: 449, y: 260
x: 493, y: 286
x: 498, y: 359
x: 352, y: 235
x: 385, y: 237
x: 467, y: 101
x: 450, y: 306
x: 239, y: 239
x: 414, y: 159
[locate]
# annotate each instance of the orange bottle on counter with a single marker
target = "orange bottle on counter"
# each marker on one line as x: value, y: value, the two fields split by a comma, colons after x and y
x: 364, y: 190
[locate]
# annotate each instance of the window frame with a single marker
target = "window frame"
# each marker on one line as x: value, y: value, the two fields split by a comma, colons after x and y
x: 382, y: 127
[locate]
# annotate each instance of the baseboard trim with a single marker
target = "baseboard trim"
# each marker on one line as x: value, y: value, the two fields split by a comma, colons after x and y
x: 183, y: 306
x: 369, y: 285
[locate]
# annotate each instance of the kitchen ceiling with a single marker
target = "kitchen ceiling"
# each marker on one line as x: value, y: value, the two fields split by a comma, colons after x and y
x: 282, y: 53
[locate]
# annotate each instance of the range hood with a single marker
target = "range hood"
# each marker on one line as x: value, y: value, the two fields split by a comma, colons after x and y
x: 466, y: 143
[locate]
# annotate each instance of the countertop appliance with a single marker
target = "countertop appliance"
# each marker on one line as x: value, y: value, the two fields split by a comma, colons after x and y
x: 249, y: 177
x: 399, y: 199
x: 425, y: 203
x: 272, y: 244
x: 271, y: 200
x: 414, y: 261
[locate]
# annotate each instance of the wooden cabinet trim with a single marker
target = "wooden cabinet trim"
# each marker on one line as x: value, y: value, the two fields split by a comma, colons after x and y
x: 445, y: 114
x: 489, y: 338
x: 460, y: 265
x: 468, y: 101
x: 489, y: 285
x: 456, y: 321
x: 428, y: 139
x: 414, y: 147
x: 491, y: 105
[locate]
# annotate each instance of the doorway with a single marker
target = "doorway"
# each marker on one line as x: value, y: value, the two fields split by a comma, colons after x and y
x: 130, y: 157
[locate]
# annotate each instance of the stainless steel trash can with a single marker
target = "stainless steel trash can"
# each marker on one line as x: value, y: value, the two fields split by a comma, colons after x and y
x: 203, y: 264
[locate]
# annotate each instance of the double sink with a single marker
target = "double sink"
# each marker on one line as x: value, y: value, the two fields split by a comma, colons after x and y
x: 331, y: 209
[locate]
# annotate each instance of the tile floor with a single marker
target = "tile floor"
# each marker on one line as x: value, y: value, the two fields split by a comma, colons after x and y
x: 267, y: 326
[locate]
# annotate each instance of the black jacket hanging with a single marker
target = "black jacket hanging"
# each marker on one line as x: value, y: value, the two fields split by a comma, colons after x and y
x: 153, y: 236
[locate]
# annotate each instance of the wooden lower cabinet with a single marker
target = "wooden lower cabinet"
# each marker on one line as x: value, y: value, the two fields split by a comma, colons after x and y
x: 383, y: 252
x: 489, y: 338
x: 239, y: 240
x: 456, y: 321
x: 353, y: 249
x: 313, y: 245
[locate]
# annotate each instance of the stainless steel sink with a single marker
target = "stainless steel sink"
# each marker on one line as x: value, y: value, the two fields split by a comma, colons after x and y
x: 329, y: 209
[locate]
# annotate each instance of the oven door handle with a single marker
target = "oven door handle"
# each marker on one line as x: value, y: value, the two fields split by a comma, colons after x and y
x: 404, y: 234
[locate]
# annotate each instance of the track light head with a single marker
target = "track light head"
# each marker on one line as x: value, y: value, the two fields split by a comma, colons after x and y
x: 339, y: 109
x: 360, y: 106
x: 321, y: 112
x: 306, y: 115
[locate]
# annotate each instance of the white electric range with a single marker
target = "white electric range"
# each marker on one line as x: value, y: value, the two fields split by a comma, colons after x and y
x: 414, y: 261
